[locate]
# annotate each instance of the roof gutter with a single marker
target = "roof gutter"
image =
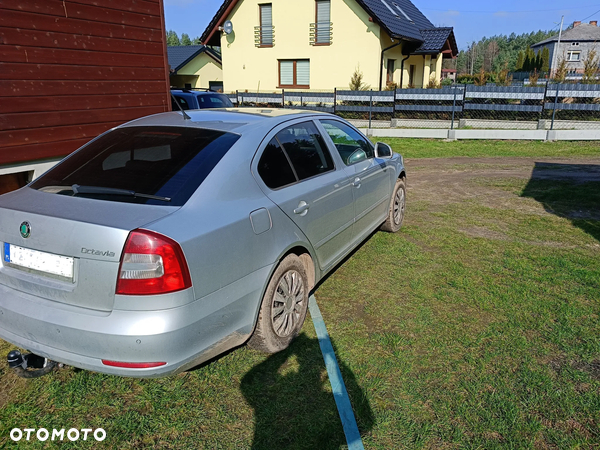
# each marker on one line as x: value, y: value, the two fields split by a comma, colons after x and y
x: 402, y: 70
x: 381, y: 66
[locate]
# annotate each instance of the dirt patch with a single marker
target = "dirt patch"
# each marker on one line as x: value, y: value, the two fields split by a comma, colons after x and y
x: 443, y: 181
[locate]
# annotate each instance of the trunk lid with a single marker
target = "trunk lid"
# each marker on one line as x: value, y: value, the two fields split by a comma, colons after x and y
x: 84, y: 234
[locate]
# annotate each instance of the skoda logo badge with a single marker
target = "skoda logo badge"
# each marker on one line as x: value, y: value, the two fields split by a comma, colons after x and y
x: 25, y: 229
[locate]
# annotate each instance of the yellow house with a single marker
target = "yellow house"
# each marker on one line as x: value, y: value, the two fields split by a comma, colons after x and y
x: 195, y: 66
x: 318, y: 44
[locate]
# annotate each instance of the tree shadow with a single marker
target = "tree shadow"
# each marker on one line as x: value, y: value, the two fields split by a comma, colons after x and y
x: 292, y: 400
x: 571, y: 191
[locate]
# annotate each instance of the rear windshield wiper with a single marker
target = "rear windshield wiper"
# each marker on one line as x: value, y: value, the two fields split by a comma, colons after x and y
x: 78, y: 189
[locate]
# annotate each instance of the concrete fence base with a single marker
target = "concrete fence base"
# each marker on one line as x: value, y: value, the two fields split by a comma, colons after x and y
x: 530, y: 135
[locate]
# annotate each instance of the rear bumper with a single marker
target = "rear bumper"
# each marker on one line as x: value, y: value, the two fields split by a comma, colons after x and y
x: 181, y: 337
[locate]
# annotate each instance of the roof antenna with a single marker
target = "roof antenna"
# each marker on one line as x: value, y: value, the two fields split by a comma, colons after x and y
x: 185, y: 115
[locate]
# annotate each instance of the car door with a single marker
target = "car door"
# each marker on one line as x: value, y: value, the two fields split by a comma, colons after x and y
x: 370, y: 176
x: 299, y: 175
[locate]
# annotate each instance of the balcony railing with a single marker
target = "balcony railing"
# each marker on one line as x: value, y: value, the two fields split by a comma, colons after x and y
x: 264, y: 36
x: 321, y: 33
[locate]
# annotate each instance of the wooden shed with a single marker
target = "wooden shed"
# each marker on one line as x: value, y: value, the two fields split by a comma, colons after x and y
x: 72, y: 69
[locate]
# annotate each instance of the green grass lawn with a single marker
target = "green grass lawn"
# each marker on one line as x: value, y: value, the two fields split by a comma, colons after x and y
x: 436, y: 148
x: 476, y: 326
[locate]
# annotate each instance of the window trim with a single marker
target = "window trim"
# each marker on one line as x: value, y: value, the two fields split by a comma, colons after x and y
x: 260, y: 5
x: 295, y: 84
x: 320, y: 44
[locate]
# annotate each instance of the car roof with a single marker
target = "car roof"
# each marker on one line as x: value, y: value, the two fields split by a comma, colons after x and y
x: 225, y: 119
x: 188, y: 92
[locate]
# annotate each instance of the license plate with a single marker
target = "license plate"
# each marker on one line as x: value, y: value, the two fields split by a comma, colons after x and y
x: 40, y: 261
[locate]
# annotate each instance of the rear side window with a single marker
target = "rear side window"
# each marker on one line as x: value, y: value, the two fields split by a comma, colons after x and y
x: 152, y: 165
x: 274, y: 167
x: 306, y: 150
x: 214, y: 101
x: 182, y: 102
x: 294, y: 154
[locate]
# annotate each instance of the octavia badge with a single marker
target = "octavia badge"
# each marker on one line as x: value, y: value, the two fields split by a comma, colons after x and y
x: 25, y: 229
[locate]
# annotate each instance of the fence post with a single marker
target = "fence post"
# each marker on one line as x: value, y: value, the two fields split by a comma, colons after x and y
x: 283, y: 98
x: 554, y: 110
x: 334, y: 100
x: 370, y: 107
x: 453, y: 106
x: 237, y: 97
x: 544, y: 103
x: 393, y: 108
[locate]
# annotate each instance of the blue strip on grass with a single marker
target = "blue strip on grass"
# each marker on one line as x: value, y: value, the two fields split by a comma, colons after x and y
x: 335, y: 378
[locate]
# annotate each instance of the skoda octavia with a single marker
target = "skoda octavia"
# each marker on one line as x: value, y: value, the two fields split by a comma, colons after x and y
x: 172, y: 238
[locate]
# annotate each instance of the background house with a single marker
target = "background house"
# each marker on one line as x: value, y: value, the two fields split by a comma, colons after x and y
x: 195, y: 66
x: 318, y: 44
x: 70, y: 71
x: 575, y: 44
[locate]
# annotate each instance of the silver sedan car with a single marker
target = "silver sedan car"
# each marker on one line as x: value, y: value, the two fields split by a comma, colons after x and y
x: 169, y: 240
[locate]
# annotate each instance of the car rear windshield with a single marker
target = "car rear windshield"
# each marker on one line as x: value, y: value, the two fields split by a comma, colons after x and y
x: 214, y: 101
x: 151, y: 165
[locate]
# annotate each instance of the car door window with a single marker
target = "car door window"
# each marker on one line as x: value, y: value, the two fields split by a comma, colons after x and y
x: 305, y: 149
x: 351, y: 146
x: 274, y: 167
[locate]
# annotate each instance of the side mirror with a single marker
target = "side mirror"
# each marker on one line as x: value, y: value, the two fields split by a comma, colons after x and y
x: 357, y: 156
x: 383, y: 151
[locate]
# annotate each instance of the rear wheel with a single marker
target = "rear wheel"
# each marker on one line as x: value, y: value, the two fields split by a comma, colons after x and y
x: 397, y: 207
x: 283, y: 307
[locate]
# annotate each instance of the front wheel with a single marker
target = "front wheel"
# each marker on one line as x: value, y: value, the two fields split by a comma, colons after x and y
x: 283, y: 307
x: 395, y: 217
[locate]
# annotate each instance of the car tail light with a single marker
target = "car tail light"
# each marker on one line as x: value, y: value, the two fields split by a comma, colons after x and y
x: 152, y: 264
x: 130, y: 365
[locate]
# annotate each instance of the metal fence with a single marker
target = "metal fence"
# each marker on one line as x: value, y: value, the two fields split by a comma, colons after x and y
x: 551, y: 107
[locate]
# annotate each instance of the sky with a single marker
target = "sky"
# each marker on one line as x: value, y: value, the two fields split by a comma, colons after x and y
x: 471, y: 19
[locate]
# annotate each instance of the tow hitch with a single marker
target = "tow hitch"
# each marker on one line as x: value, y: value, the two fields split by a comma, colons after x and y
x: 29, y: 365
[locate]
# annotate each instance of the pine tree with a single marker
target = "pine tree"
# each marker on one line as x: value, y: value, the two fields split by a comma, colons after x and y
x: 520, y: 61
x: 540, y: 60
x: 172, y: 38
x: 185, y: 39
x: 545, y: 60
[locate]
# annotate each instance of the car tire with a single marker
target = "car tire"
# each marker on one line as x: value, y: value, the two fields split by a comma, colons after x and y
x: 283, y: 308
x: 395, y: 217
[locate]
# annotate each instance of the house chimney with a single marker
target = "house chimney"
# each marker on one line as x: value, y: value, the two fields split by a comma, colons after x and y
x: 594, y: 23
x: 576, y: 23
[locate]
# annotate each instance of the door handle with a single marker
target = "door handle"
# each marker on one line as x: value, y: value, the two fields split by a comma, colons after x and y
x: 302, y: 208
x: 356, y: 182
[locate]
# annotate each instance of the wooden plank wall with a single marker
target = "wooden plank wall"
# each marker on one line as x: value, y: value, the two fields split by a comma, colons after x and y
x: 72, y: 69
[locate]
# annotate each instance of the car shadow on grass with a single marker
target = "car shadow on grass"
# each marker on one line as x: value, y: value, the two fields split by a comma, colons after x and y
x: 571, y: 191
x: 292, y: 400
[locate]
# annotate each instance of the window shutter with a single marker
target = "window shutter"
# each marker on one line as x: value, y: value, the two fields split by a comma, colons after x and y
x: 323, y: 20
x: 286, y: 73
x: 303, y: 72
